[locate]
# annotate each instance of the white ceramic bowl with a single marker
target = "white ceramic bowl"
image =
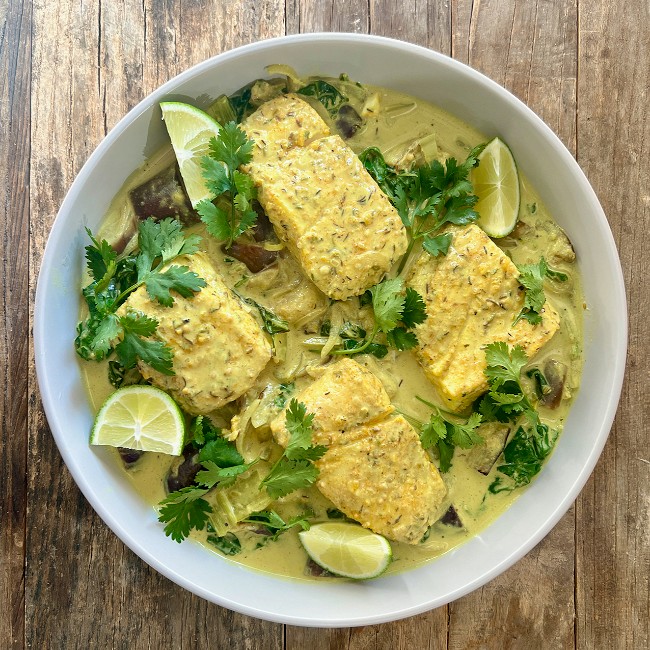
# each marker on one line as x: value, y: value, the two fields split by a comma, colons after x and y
x: 563, y: 188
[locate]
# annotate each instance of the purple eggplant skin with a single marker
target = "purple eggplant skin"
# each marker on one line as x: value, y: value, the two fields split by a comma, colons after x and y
x: 348, y: 121
x: 129, y: 456
x: 451, y: 518
x: 555, y: 373
x: 163, y: 196
x: 316, y: 571
x: 256, y: 258
x: 263, y: 229
x: 186, y: 471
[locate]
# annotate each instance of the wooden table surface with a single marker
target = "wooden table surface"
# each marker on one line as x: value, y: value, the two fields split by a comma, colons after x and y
x: 70, y: 69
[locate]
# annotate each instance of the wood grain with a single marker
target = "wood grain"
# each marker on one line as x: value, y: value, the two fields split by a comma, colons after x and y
x: 70, y: 69
x: 613, y: 538
x: 14, y: 307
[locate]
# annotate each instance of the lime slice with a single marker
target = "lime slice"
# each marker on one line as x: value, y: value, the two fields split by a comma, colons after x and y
x: 140, y: 417
x: 190, y: 130
x: 496, y: 183
x: 347, y: 550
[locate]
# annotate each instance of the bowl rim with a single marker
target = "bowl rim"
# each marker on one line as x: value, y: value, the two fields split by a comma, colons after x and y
x: 49, y: 399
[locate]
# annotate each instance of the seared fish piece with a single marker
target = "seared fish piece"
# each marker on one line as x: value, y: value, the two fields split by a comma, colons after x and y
x: 280, y: 124
x: 472, y: 297
x: 323, y: 203
x: 219, y: 349
x: 375, y: 469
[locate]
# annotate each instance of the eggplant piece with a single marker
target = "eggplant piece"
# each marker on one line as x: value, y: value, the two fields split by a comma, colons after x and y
x: 316, y: 571
x: 451, y: 518
x: 256, y: 258
x: 555, y: 373
x: 185, y: 473
x: 263, y: 229
x: 348, y: 121
x: 129, y: 456
x: 163, y: 196
x: 482, y: 457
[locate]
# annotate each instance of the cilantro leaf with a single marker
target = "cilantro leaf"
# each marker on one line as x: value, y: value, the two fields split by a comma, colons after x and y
x: 444, y: 433
x: 289, y: 475
x: 428, y: 197
x: 203, y: 431
x: 177, y: 278
x: 233, y: 191
x: 465, y: 435
x: 271, y: 521
x: 299, y: 425
x: 220, y: 452
x: 214, y: 475
x: 401, y: 339
x: 506, y: 400
x: 531, y: 278
x: 116, y: 277
x: 295, y: 469
x: 388, y: 303
x: 184, y: 510
x: 414, y: 311
x: 437, y: 245
x: 271, y: 322
x: 134, y: 346
x: 232, y: 146
x: 433, y: 431
x: 503, y: 364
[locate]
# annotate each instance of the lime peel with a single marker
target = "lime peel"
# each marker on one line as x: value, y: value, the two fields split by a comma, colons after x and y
x: 140, y: 417
x: 190, y: 131
x: 496, y: 184
x: 347, y: 550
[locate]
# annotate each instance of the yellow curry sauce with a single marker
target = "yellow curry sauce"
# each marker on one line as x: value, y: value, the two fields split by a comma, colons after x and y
x: 393, y: 123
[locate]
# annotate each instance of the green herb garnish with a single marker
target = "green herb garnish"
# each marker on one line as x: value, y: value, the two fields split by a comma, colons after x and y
x: 116, y: 277
x: 531, y: 278
x: 273, y: 525
x: 427, y: 197
x: 445, y: 432
x: 229, y: 214
x: 295, y: 468
x: 524, y: 456
x: 186, y: 509
x: 326, y: 94
x: 396, y: 311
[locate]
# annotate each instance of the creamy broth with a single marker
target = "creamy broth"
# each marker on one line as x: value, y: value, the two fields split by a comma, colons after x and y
x: 400, y: 121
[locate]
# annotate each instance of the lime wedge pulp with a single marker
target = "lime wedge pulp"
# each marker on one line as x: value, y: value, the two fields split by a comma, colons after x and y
x: 190, y: 131
x: 496, y: 184
x: 140, y: 417
x: 347, y: 550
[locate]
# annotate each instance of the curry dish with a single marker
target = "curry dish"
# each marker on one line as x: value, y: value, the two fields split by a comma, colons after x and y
x: 284, y: 306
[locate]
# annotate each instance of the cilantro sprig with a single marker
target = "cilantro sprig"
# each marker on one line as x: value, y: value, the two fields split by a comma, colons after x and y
x: 396, y: 310
x: 445, y: 432
x: 295, y: 468
x: 229, y: 213
x: 186, y: 509
x: 507, y: 401
x: 427, y: 197
x: 531, y: 278
x: 115, y: 277
x: 273, y: 525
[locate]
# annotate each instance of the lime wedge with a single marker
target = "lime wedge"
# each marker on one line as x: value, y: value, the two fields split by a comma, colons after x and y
x: 190, y: 130
x: 347, y: 550
x: 496, y: 183
x: 140, y: 417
